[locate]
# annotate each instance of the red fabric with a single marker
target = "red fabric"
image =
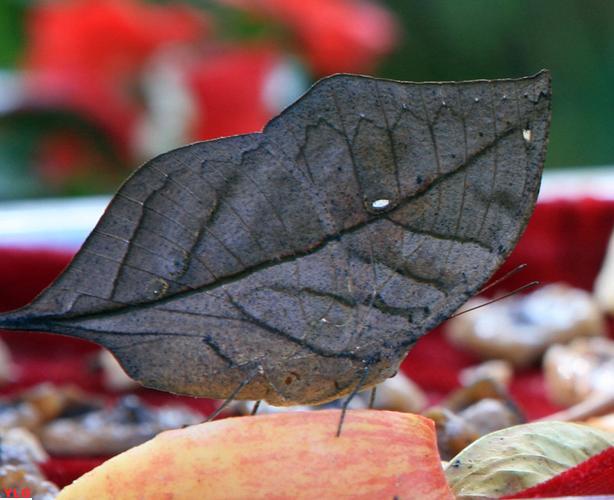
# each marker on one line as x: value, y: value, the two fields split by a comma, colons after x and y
x: 565, y: 241
x: 594, y: 476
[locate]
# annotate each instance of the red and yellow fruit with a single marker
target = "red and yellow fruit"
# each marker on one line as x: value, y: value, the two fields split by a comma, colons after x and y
x: 293, y: 455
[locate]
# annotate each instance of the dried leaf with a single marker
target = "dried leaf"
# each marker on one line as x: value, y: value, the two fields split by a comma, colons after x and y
x: 295, y: 264
x: 513, y: 459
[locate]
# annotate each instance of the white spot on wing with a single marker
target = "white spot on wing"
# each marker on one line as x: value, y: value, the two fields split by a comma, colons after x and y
x: 526, y: 134
x: 380, y: 204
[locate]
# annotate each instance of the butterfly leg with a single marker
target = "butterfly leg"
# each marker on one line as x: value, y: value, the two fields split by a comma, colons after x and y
x: 372, y: 397
x: 232, y: 396
x: 356, y: 390
x: 255, y: 408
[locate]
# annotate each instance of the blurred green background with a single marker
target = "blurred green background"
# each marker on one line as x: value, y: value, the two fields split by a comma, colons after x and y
x: 453, y: 40
x: 242, y: 44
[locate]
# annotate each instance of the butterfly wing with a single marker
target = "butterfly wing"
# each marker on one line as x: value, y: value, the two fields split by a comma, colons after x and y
x: 286, y: 261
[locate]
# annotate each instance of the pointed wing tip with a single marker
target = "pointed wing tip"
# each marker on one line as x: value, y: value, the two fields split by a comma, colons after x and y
x: 18, y: 319
x: 10, y: 321
x: 543, y: 76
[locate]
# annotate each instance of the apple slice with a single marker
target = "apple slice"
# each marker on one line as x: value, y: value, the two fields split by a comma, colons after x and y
x: 379, y: 454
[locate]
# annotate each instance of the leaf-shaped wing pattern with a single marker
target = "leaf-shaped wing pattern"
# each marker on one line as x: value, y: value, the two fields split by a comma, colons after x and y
x: 363, y: 216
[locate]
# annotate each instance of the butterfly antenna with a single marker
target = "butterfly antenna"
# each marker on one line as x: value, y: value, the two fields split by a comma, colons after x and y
x: 345, y: 404
x: 507, y: 275
x: 230, y: 398
x: 518, y: 290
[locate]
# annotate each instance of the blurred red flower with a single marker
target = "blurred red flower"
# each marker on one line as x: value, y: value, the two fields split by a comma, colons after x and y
x: 90, y: 56
x: 87, y: 54
x: 150, y: 76
x: 228, y: 88
x: 334, y: 35
x: 63, y: 159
